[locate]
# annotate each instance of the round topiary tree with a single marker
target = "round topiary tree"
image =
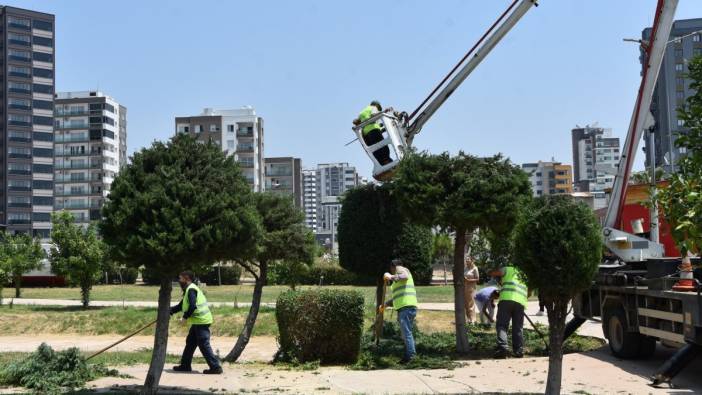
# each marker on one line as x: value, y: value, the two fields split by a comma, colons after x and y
x: 177, y: 206
x: 558, y: 247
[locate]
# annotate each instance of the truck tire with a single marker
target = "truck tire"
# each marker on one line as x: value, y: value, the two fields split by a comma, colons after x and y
x: 624, y: 344
x: 647, y: 346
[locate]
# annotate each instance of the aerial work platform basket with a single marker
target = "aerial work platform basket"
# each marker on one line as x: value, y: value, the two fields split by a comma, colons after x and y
x: 394, y: 139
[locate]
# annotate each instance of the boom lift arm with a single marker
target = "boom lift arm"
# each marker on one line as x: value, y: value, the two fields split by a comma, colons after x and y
x: 399, y: 129
x: 628, y: 247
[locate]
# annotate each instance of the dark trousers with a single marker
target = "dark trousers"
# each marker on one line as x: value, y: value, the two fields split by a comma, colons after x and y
x: 382, y: 154
x: 198, y: 337
x: 542, y: 305
x: 507, y: 311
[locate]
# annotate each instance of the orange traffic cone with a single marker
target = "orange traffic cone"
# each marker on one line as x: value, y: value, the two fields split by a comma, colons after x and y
x: 687, y: 281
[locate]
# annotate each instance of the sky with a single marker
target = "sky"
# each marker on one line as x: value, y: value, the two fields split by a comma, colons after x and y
x: 309, y: 67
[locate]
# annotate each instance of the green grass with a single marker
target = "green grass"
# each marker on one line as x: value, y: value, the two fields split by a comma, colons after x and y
x: 229, y: 321
x: 224, y: 293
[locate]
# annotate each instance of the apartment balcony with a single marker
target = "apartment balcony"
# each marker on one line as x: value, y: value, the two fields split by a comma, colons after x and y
x: 60, y: 113
x: 244, y: 132
x: 77, y: 125
x: 241, y: 148
x: 71, y: 138
x: 246, y: 164
x: 80, y: 192
x: 76, y: 206
x: 62, y: 166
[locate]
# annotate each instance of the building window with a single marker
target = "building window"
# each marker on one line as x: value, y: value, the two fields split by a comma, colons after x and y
x: 680, y: 82
x: 678, y: 53
x: 681, y: 123
x: 19, y: 104
x: 22, y: 56
x: 678, y: 67
x: 230, y: 128
x: 696, y: 51
x: 42, y: 184
x: 18, y: 120
x: 19, y: 152
x: 17, y: 71
x: 680, y: 95
x: 43, y: 57
x: 43, y: 152
x: 19, y: 201
x: 43, y: 104
x: 231, y: 145
x: 19, y: 87
x: 18, y: 23
x: 42, y: 168
x: 696, y: 38
x: 19, y: 39
x: 18, y: 135
x: 19, y: 185
x: 18, y: 218
x: 682, y: 150
x: 41, y: 217
x: 43, y: 41
x: 198, y: 128
x: 41, y: 88
x: 42, y: 136
x: 43, y: 73
x: 46, y: 121
x: 42, y: 25
x: 19, y: 168
x: 213, y: 128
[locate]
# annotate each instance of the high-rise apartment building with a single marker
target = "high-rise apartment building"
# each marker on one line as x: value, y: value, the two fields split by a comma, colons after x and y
x: 595, y: 159
x: 309, y: 197
x: 90, y: 146
x: 333, y: 180
x: 239, y: 132
x: 284, y: 176
x: 672, y: 88
x: 27, y: 121
x: 549, y: 178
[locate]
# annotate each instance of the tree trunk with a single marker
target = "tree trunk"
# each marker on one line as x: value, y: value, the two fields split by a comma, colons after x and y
x: 557, y: 310
x: 379, y: 285
x: 1, y: 288
x: 85, y: 294
x: 459, y: 292
x: 245, y: 334
x: 158, y: 355
x: 18, y: 286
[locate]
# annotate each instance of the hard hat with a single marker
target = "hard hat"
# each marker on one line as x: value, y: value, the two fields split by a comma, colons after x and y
x: 377, y: 104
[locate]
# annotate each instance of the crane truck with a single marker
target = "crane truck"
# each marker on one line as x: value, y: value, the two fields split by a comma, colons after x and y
x: 633, y: 293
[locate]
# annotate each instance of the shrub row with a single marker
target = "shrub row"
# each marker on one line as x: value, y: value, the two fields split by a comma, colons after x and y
x: 283, y: 273
x: 319, y: 325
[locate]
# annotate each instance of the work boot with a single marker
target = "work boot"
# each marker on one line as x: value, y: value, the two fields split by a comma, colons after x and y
x: 217, y: 370
x: 500, y: 353
x: 179, y: 368
x: 405, y: 361
x: 519, y: 354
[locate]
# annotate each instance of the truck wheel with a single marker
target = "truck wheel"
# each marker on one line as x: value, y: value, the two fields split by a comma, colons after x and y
x: 624, y: 344
x: 647, y: 346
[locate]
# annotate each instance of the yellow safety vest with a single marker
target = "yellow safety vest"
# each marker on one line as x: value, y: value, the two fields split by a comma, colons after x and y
x: 513, y: 288
x: 366, y: 114
x: 403, y: 293
x: 202, y: 314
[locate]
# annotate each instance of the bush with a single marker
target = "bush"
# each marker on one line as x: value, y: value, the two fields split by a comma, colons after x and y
x: 129, y: 276
x: 47, y: 371
x: 319, y: 325
x: 283, y: 273
x: 231, y: 275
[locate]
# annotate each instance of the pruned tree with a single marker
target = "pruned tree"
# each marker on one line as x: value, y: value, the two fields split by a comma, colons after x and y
x: 23, y: 254
x: 461, y: 193
x: 178, y: 205
x: 560, y: 247
x: 285, y: 238
x: 372, y: 232
x: 77, y: 253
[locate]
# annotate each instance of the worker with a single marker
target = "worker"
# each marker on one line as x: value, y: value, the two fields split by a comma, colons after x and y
x: 513, y: 300
x: 485, y: 301
x: 470, y: 284
x: 373, y: 132
x: 404, y: 301
x: 197, y: 314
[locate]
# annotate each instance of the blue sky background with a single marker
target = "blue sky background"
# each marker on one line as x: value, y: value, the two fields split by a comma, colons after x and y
x: 308, y: 67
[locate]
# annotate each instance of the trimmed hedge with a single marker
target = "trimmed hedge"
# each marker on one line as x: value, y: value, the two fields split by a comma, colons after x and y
x: 319, y: 325
x: 283, y: 273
